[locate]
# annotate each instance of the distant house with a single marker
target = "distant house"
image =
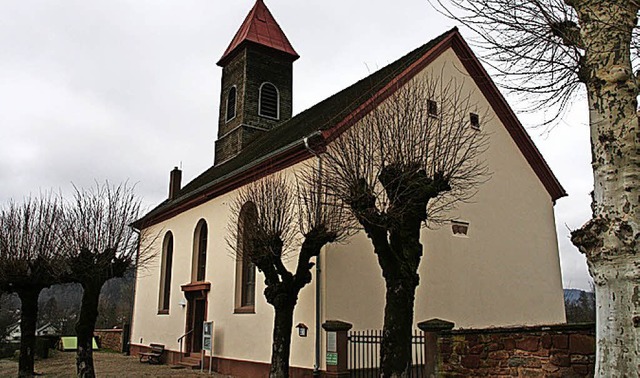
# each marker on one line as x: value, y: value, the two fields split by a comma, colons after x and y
x: 497, y: 265
x: 13, y: 332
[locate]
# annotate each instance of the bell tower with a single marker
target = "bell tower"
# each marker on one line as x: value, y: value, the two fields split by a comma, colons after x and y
x: 257, y: 83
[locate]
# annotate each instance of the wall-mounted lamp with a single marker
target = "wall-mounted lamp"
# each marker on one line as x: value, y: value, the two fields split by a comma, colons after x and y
x: 302, y: 329
x: 183, y: 303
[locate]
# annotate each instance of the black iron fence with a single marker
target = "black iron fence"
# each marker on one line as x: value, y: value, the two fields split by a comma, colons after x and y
x: 364, y: 354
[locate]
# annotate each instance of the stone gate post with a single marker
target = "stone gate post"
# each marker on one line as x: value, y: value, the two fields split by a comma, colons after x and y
x: 431, y: 328
x: 336, y: 348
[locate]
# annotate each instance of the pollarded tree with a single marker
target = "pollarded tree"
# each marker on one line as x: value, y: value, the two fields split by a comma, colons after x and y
x: 99, y: 245
x: 30, y: 260
x: 270, y: 218
x: 551, y: 49
x: 405, y: 164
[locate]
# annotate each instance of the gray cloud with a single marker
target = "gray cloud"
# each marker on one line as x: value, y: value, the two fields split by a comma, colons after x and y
x: 127, y: 89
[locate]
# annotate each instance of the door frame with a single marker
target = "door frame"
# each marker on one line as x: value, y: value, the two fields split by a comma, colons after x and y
x: 194, y: 292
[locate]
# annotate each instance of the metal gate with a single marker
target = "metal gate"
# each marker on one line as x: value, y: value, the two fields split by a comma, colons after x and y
x: 364, y: 354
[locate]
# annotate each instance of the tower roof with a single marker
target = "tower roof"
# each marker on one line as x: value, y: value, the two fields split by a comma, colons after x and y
x: 260, y: 27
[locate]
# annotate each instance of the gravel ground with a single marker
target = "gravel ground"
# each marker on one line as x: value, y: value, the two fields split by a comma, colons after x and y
x: 62, y: 364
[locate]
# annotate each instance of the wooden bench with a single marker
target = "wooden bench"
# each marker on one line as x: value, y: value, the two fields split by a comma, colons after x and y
x: 154, y: 356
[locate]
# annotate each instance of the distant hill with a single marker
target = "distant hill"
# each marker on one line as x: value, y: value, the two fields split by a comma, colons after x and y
x: 572, y: 295
x: 60, y: 305
x: 579, y: 306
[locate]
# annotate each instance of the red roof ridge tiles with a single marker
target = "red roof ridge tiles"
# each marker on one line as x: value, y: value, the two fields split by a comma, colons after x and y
x: 260, y: 27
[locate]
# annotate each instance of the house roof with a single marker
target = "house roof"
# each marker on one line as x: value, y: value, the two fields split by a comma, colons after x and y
x: 260, y: 27
x: 284, y: 145
x: 45, y: 326
x: 14, y: 326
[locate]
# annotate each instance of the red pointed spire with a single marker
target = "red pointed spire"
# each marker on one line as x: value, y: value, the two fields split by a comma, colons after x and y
x: 260, y: 27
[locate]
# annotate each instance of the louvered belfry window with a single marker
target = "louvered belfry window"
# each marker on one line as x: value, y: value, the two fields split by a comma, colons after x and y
x: 269, y: 101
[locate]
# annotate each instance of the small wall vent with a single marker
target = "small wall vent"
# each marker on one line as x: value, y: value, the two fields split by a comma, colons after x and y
x: 459, y: 228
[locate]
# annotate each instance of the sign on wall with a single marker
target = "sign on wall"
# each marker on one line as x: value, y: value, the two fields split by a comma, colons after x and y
x: 332, y: 348
x: 332, y: 345
x: 332, y: 358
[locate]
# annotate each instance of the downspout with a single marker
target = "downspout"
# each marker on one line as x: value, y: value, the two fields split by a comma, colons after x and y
x: 127, y: 343
x: 316, y: 364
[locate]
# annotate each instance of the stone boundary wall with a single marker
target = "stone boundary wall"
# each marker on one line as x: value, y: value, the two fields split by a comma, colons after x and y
x: 109, y: 339
x: 541, y: 351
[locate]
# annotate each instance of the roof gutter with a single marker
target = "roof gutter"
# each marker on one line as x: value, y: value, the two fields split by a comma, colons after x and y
x: 262, y: 160
x: 142, y: 223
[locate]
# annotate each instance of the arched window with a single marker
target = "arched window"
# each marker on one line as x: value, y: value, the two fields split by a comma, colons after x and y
x: 231, y: 104
x: 199, y: 251
x: 248, y: 282
x: 269, y: 102
x: 245, y: 269
x: 165, y: 273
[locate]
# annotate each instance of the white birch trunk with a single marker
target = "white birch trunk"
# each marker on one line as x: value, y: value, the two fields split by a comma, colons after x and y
x: 611, y: 240
x: 617, y: 334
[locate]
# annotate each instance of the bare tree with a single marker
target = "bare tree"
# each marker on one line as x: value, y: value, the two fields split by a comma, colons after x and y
x: 406, y: 163
x: 100, y: 245
x: 269, y: 219
x: 554, y: 48
x: 30, y: 260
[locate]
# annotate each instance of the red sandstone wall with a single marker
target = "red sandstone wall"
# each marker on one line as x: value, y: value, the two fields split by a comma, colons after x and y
x: 109, y: 339
x: 556, y: 351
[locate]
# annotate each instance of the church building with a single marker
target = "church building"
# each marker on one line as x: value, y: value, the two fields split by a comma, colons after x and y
x: 496, y: 263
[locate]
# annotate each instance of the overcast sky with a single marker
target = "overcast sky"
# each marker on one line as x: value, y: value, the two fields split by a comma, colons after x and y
x: 128, y: 89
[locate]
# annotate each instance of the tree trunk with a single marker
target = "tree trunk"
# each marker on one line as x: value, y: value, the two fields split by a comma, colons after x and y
x: 28, y: 320
x: 84, y: 330
x: 610, y: 239
x: 395, y: 351
x: 399, y: 257
x: 618, y: 334
x: 282, y: 328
